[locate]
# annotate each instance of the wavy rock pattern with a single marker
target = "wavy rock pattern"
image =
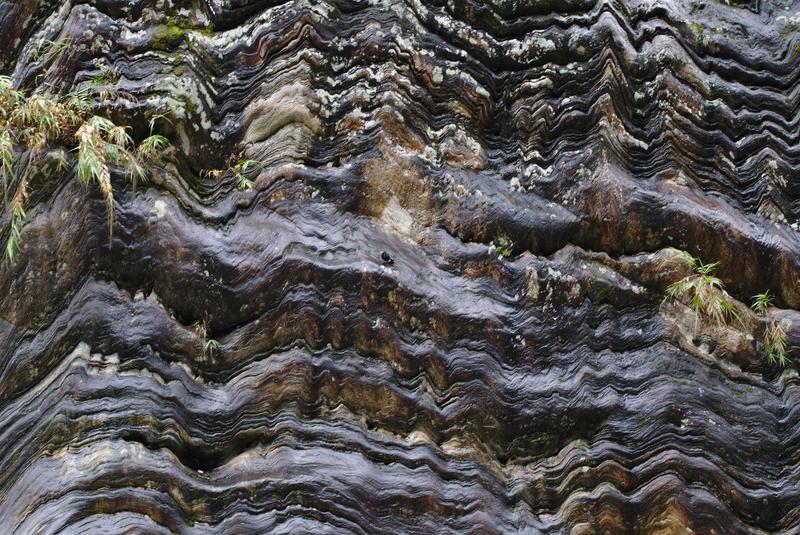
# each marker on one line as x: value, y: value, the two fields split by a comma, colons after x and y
x: 450, y: 389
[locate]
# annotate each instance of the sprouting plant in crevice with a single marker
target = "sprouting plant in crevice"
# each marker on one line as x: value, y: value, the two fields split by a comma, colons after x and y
x: 106, y: 75
x: 17, y: 220
x: 211, y: 347
x: 762, y: 302
x: 775, y: 344
x: 240, y: 170
x: 102, y: 86
x: 504, y: 246
x: 100, y: 144
x: 774, y: 333
x: 150, y: 149
x: 243, y: 169
x: 32, y: 126
x: 704, y: 292
x: 53, y: 49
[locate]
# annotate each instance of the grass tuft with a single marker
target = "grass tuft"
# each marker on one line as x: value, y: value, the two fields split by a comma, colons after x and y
x: 32, y: 125
x: 241, y: 172
x: 762, y: 302
x: 775, y: 344
x: 704, y: 292
x: 15, y: 234
x: 211, y: 347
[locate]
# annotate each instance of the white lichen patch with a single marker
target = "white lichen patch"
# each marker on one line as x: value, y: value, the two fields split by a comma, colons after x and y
x: 397, y: 218
x: 159, y: 209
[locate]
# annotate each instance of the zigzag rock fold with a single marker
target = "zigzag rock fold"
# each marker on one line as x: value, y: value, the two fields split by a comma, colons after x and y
x: 440, y: 306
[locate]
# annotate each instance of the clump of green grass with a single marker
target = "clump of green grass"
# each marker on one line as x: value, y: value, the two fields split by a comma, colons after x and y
x: 775, y: 332
x: 211, y: 346
x: 32, y: 125
x: 704, y: 292
x: 203, y: 330
x: 504, y: 246
x: 775, y: 344
x: 241, y: 171
x: 46, y: 48
x: 106, y: 76
x: 762, y: 302
x: 14, y: 238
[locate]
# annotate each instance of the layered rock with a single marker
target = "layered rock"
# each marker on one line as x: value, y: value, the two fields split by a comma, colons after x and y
x: 440, y: 308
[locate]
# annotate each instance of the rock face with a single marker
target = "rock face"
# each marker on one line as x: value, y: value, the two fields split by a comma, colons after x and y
x: 440, y: 308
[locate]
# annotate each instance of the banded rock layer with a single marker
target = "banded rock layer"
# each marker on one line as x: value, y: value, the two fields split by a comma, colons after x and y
x: 440, y: 307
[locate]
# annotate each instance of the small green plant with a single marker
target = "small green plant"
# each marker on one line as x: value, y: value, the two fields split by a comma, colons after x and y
x: 504, y: 246
x: 244, y: 167
x: 775, y: 344
x: 106, y: 76
x: 762, y: 302
x: 239, y: 170
x: 775, y: 332
x: 32, y: 126
x: 53, y: 49
x: 202, y: 329
x: 17, y: 220
x: 211, y: 346
x: 150, y: 149
x: 704, y: 292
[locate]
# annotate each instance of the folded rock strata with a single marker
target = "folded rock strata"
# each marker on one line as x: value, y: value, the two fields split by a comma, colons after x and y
x: 440, y: 308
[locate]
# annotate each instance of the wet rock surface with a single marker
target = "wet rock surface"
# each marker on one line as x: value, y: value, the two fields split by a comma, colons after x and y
x: 440, y: 308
